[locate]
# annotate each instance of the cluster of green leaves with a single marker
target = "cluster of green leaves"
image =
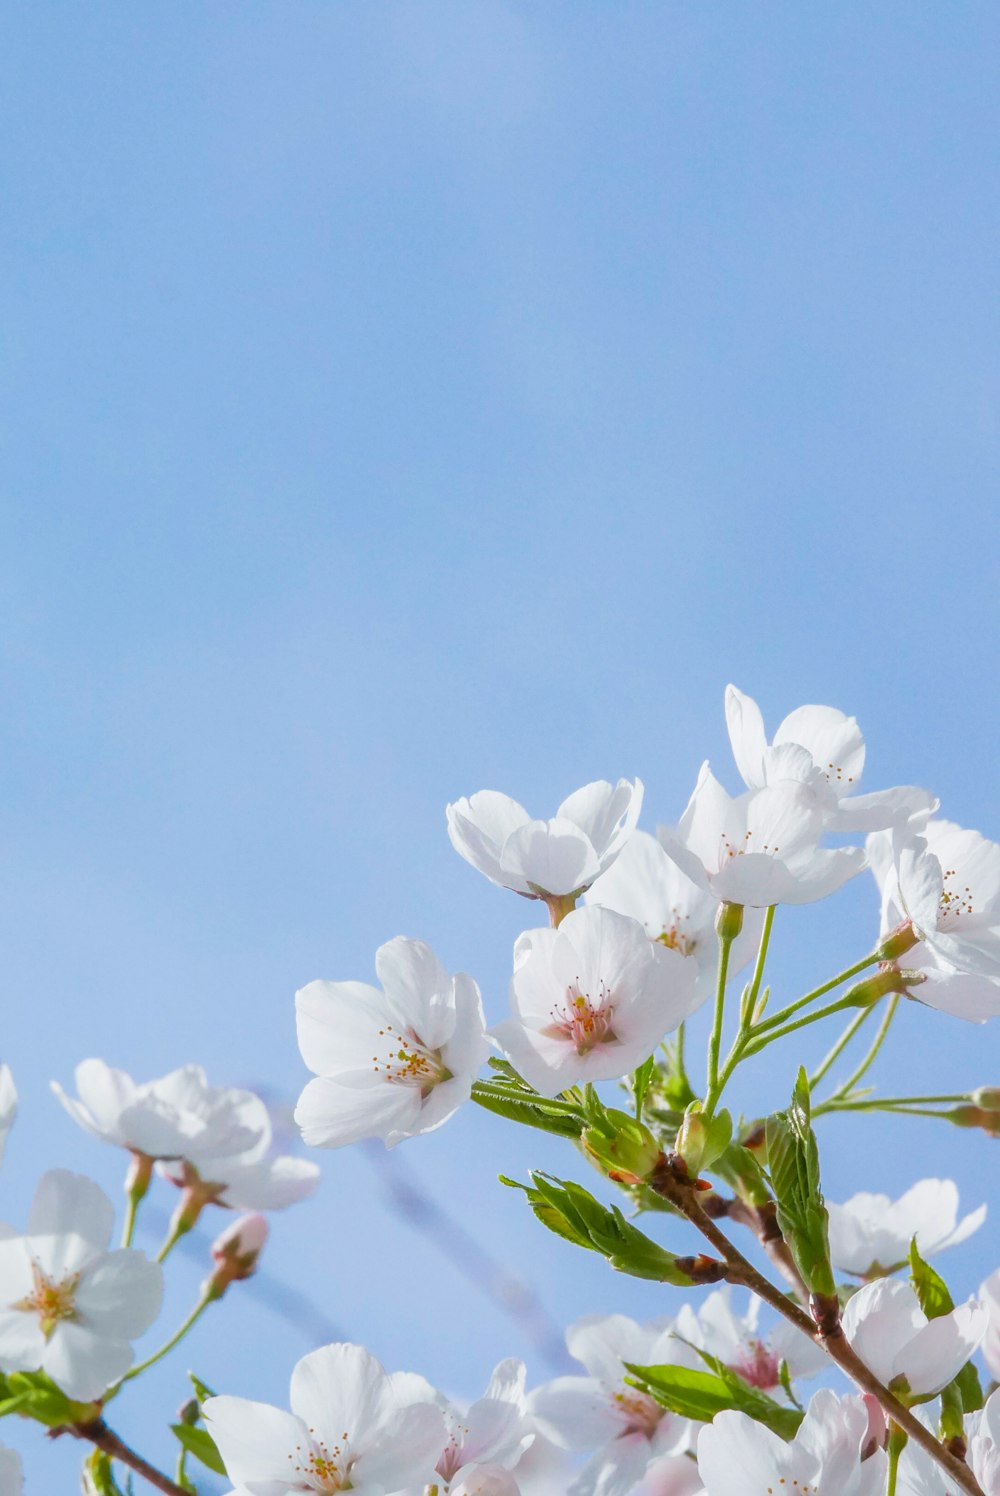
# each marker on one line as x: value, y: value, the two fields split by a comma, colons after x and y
x: 793, y: 1165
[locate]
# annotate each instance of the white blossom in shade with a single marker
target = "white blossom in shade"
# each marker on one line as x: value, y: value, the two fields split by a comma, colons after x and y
x: 984, y: 1445
x: 735, y: 1339
x: 493, y: 1432
x: 760, y: 848
x: 8, y: 1105
x: 252, y: 1181
x: 646, y: 885
x: 484, y: 1480
x: 674, y: 1475
x: 351, y: 1428
x: 989, y: 1295
x: 894, y: 1338
x: 553, y: 858
x: 389, y: 1064
x: 871, y: 1234
x: 177, y: 1116
x: 544, y: 1467
x: 591, y: 999
x: 740, y: 1457
x: 68, y: 1306
x: 11, y: 1472
x: 628, y: 1429
x: 822, y: 748
x: 946, y: 883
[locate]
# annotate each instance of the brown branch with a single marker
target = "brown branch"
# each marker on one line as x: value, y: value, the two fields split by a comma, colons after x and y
x: 105, y: 1438
x: 672, y: 1182
x: 762, y: 1220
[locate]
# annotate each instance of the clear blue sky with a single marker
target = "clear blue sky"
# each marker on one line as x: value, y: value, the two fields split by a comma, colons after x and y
x: 404, y: 399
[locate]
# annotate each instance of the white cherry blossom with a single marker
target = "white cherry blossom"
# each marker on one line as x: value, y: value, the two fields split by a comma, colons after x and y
x: 759, y: 848
x: 351, y: 1428
x: 389, y: 1064
x: 984, y: 1445
x: 946, y: 883
x: 740, y: 1457
x: 735, y: 1339
x: 824, y: 749
x: 251, y: 1181
x: 628, y: 1429
x: 177, y: 1116
x: 485, y: 1480
x: 8, y: 1105
x: 68, y: 1306
x: 989, y: 1295
x: 647, y: 885
x: 871, y: 1234
x: 890, y: 1332
x: 491, y: 1433
x: 591, y: 999
x: 546, y: 859
x: 674, y: 1475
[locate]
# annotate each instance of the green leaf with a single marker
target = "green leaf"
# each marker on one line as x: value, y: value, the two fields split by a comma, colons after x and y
x: 528, y: 1110
x: 929, y: 1286
x: 672, y: 1078
x: 199, y: 1442
x: 640, y: 1084
x: 37, y: 1396
x: 793, y: 1162
x: 572, y: 1212
x: 100, y: 1474
x: 201, y: 1392
x: 964, y: 1394
x: 691, y: 1393
x: 739, y: 1168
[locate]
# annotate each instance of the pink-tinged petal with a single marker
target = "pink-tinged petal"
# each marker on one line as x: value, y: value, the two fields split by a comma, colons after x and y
x: 941, y: 1348
x: 484, y: 1480
x: 332, y: 1113
x: 255, y: 1440
x: 574, y: 1412
x: 84, y: 1363
x: 747, y: 736
x: 674, y: 1475
x: 605, y: 813
x: 73, y: 1207
x: 121, y: 1295
x: 833, y: 740
x: 553, y: 857
x: 22, y: 1344
x: 335, y: 1024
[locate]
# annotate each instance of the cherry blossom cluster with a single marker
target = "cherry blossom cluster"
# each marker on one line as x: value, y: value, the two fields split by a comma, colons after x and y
x: 629, y: 934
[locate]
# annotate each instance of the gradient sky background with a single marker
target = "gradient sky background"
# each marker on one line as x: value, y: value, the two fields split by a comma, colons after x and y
x: 405, y: 399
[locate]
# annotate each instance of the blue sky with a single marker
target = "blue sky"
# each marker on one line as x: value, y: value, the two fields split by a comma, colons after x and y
x: 404, y: 399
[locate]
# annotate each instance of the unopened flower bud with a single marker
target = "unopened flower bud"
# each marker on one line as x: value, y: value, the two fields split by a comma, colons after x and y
x: 979, y: 1112
x: 701, y: 1139
x: 235, y: 1252
x: 629, y: 1155
x: 729, y: 921
x: 888, y: 978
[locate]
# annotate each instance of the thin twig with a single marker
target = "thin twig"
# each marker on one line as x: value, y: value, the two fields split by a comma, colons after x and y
x: 105, y: 1438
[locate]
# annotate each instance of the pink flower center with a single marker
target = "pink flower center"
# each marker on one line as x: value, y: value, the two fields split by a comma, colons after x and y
x: 641, y: 1413
x: 758, y: 1365
x: 581, y: 1020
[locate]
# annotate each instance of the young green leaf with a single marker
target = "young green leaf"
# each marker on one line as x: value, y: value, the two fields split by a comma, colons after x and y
x: 793, y: 1163
x: 199, y: 1442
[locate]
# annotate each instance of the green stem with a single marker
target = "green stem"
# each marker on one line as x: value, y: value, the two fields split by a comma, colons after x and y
x: 713, y: 1089
x: 747, y: 1009
x: 898, y: 1440
x: 511, y: 1093
x: 758, y: 967
x: 844, y: 976
x: 759, y: 1040
x: 140, y: 1172
x: 178, y: 1335
x: 837, y: 1049
x: 847, y: 1086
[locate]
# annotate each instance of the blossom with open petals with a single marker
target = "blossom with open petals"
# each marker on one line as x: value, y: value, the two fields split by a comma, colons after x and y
x: 946, y: 883
x: 591, y: 999
x: 628, y: 1429
x: 351, y: 1428
x: 490, y: 1434
x: 389, y: 1064
x: 485, y: 1480
x: 739, y: 1457
x: 871, y: 1234
x: 647, y: 885
x: 758, y: 848
x: 823, y: 748
x: 257, y: 1180
x: 68, y: 1306
x: 893, y: 1336
x: 543, y: 859
x: 177, y: 1116
x: 735, y: 1339
x: 984, y: 1445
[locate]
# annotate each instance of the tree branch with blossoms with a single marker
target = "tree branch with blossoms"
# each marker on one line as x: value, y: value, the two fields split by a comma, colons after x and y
x: 636, y: 933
